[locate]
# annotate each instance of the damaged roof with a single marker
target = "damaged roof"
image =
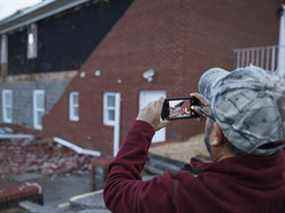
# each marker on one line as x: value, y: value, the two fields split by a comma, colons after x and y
x: 38, y: 12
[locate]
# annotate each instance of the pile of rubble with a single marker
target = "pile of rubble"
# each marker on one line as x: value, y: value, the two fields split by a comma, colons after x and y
x: 22, y: 156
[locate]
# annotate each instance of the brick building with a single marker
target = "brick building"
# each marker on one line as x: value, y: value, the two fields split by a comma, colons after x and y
x: 97, y: 63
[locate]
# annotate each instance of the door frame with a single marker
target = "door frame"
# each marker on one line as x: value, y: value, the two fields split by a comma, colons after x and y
x: 117, y: 124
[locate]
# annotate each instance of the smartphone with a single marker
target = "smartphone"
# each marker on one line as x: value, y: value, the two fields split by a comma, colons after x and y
x: 179, y: 108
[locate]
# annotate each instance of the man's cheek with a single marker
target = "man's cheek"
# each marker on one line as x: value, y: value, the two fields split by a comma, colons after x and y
x: 208, y: 145
x: 208, y: 130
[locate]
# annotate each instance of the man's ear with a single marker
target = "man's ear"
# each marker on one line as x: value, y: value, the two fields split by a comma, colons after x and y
x: 217, y: 136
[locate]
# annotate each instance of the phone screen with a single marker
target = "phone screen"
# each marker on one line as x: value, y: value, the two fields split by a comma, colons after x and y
x: 179, y: 108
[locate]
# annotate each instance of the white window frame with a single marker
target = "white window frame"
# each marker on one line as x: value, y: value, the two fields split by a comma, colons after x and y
x: 36, y: 109
x: 106, y: 108
x: 5, y: 106
x: 32, y: 42
x: 4, y: 49
x: 72, y: 106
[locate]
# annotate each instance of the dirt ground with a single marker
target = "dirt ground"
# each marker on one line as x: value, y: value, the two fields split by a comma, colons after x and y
x: 14, y: 210
x: 182, y: 151
x: 59, y: 189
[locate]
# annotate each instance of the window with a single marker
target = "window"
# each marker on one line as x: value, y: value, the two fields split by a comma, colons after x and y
x: 74, y: 106
x: 7, y: 106
x: 109, y: 106
x: 4, y: 50
x: 32, y: 42
x: 39, y: 108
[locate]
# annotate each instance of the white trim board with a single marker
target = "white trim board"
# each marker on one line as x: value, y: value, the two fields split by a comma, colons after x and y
x: 76, y: 148
x: 78, y: 197
x: 116, y: 145
x: 16, y: 136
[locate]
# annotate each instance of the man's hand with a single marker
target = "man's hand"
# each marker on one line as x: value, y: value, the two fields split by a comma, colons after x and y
x: 151, y: 114
x: 203, y: 110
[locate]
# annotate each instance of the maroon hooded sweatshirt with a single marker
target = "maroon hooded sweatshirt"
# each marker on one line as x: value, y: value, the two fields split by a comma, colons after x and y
x: 244, y: 184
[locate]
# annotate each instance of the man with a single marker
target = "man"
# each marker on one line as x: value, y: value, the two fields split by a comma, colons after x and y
x: 244, y: 134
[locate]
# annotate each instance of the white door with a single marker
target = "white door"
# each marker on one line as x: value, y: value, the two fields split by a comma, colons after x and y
x: 147, y: 97
x: 112, y: 111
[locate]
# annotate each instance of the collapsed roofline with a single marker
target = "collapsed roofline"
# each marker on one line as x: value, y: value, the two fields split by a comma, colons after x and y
x: 38, y: 12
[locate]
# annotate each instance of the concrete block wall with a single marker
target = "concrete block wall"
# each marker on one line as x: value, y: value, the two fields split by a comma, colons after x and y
x: 23, y: 97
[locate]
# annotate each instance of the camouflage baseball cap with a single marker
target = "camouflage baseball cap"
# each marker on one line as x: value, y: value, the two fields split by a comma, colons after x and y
x: 247, y: 104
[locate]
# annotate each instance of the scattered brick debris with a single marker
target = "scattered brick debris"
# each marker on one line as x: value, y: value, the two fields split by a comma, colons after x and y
x: 11, y: 193
x: 23, y: 156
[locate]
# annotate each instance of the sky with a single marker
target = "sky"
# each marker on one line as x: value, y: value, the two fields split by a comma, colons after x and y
x: 8, y: 7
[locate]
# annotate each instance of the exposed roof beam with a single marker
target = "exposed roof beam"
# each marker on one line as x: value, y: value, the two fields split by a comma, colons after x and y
x: 76, y: 148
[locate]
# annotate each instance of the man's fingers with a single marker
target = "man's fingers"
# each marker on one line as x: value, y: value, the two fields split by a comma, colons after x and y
x: 151, y: 114
x: 158, y: 104
x: 161, y: 100
x: 162, y: 124
x: 200, y: 97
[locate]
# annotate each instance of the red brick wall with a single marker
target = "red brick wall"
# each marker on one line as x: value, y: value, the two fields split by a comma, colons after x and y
x: 179, y: 39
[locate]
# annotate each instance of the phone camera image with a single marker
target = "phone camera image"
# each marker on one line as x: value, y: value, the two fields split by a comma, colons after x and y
x: 179, y: 108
